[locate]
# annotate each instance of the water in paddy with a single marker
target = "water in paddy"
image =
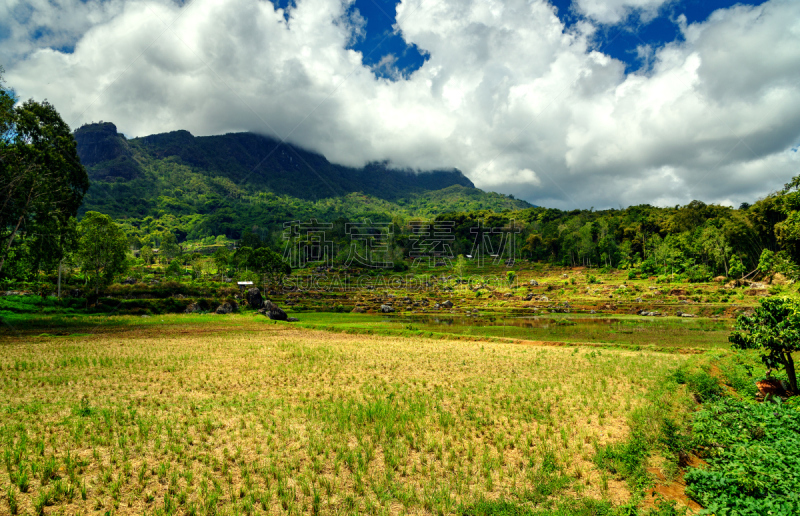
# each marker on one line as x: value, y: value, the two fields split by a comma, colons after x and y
x: 650, y: 331
x: 519, y: 322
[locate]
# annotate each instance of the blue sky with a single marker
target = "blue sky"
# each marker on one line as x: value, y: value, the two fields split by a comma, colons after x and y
x: 619, y: 41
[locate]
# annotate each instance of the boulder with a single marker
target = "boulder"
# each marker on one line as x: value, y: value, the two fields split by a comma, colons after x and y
x: 386, y: 309
x: 292, y: 319
x: 274, y: 312
x: 447, y: 304
x: 193, y: 308
x: 533, y: 283
x: 358, y: 310
x: 253, y: 298
x: 224, y: 308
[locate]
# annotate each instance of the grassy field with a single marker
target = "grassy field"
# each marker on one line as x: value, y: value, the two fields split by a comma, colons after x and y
x: 527, y: 398
x: 234, y: 415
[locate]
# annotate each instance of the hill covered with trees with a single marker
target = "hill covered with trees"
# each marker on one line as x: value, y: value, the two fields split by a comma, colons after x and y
x: 235, y: 185
x: 186, y: 195
x: 227, y: 184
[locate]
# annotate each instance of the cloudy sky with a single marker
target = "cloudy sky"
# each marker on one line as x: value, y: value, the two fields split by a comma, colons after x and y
x: 567, y: 104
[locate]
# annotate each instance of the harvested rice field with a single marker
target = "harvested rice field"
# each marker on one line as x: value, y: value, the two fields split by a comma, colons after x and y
x: 274, y: 419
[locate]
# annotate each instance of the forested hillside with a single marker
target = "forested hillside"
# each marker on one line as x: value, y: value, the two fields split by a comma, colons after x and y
x: 202, y: 188
x: 696, y: 241
x: 224, y: 185
x: 196, y: 194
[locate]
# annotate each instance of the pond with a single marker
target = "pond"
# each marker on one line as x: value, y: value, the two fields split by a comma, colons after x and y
x: 622, y: 330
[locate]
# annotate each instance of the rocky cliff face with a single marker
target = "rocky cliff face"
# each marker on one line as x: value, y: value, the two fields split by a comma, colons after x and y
x: 105, y: 153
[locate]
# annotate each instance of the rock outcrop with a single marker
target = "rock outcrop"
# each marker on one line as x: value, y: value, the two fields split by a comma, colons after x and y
x: 254, y: 298
x: 274, y: 312
x: 224, y: 308
x: 105, y: 153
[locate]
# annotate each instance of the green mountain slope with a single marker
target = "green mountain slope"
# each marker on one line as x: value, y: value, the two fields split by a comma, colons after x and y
x: 227, y: 184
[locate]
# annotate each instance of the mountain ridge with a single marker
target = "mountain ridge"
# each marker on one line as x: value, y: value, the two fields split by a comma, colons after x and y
x: 262, y: 161
x: 203, y: 186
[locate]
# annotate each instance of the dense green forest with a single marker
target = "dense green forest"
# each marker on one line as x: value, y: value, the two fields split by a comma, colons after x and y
x: 697, y: 241
x: 178, y: 198
x: 209, y: 189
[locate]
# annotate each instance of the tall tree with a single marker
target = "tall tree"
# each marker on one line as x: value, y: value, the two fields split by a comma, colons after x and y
x: 242, y: 258
x: 787, y: 232
x: 42, y: 182
x: 169, y: 248
x: 270, y: 264
x: 774, y: 328
x: 101, y: 249
x: 222, y: 259
x: 146, y: 254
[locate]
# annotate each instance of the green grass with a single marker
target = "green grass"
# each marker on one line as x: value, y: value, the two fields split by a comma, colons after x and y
x: 429, y: 413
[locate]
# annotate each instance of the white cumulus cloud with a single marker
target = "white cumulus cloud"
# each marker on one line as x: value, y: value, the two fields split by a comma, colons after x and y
x: 613, y: 11
x: 507, y: 95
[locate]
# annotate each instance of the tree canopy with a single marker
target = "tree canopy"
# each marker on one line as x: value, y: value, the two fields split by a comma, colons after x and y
x: 774, y: 329
x: 42, y: 183
x: 271, y: 264
x: 101, y: 250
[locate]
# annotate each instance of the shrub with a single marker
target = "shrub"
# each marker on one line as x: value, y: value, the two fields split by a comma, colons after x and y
x: 698, y: 274
x: 754, y: 462
x: 705, y: 386
x: 399, y: 265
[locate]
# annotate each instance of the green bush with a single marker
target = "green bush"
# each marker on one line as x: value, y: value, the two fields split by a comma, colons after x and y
x: 399, y: 265
x: 627, y: 458
x: 672, y: 438
x: 705, y: 386
x: 699, y: 274
x: 739, y: 375
x: 754, y: 458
